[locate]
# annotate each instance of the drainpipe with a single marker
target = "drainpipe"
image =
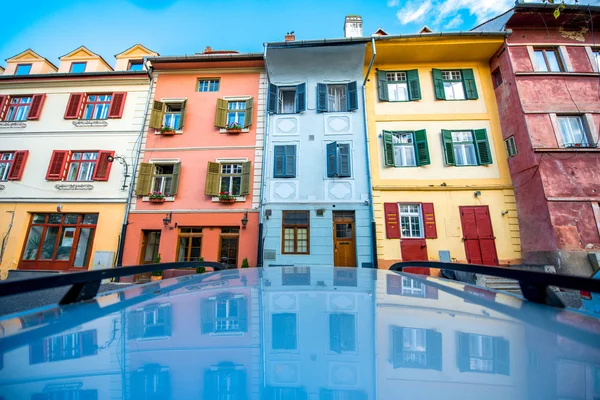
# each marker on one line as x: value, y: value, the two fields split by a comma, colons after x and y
x: 133, y: 170
x: 369, y: 180
x: 259, y: 261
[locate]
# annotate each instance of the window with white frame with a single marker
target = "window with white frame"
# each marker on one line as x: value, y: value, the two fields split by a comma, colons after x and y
x: 173, y: 115
x: 336, y: 98
x: 397, y: 86
x: 463, y: 145
x: 481, y: 351
x: 231, y: 179
x: 96, y: 106
x: 227, y: 315
x: 236, y: 112
x: 82, y: 166
x: 6, y: 160
x: 208, y: 85
x: 547, y: 60
x: 453, y: 85
x: 162, y: 178
x: 155, y: 320
x: 287, y: 100
x: 411, y: 221
x: 573, y: 130
x: 414, y: 347
x: 596, y: 58
x: 404, y: 149
x: 412, y: 287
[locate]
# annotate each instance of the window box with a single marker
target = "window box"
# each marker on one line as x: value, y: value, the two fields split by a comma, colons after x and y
x: 167, y: 132
x: 228, y: 177
x: 158, y: 201
x: 158, y: 176
x: 227, y: 201
x: 234, y: 131
x: 155, y: 278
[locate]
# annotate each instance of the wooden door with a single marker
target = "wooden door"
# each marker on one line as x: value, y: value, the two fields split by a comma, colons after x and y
x: 478, y: 235
x: 344, y: 243
x: 150, y: 244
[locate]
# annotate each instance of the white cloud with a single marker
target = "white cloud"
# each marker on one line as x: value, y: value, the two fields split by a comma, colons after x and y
x: 413, y: 12
x: 393, y: 3
x: 454, y: 22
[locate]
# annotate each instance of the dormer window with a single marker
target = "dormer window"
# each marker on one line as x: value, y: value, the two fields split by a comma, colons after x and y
x: 135, y: 65
x: 78, y: 67
x: 23, y: 69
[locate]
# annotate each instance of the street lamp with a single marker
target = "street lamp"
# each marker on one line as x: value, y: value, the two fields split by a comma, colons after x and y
x: 123, y: 162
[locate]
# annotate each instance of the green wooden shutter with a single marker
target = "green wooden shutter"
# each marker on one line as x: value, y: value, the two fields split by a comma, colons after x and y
x: 468, y: 79
x: 448, y: 147
x: 433, y: 342
x: 344, y: 160
x: 157, y: 114
x: 272, y: 101
x: 388, y: 148
x: 463, y: 354
x: 243, y: 314
x: 414, y: 87
x: 382, y: 86
x: 421, y: 147
x: 135, y: 324
x: 438, y: 84
x: 175, y: 181
x: 207, y: 316
x: 484, y: 155
x: 397, y: 347
x: 144, y: 179
x: 212, y: 179
x: 249, y: 112
x: 332, y: 162
x: 279, y: 162
x: 335, y: 334
x: 301, y: 97
x: 352, y: 96
x: 221, y: 114
x: 290, y: 161
x: 245, y: 178
x: 168, y: 318
x: 321, y: 97
x: 182, y: 119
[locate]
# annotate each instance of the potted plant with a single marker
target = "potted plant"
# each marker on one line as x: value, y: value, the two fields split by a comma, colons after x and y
x: 167, y: 131
x: 225, y: 197
x: 245, y: 263
x: 233, y: 127
x: 200, y: 270
x: 156, y: 197
x: 156, y: 275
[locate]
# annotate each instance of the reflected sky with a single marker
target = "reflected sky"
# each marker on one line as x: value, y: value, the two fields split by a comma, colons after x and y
x: 301, y: 333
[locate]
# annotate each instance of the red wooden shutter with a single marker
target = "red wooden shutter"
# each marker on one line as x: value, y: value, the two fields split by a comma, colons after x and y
x: 468, y: 222
x: 392, y: 223
x: 103, y: 166
x: 489, y: 256
x: 3, y: 103
x: 473, y: 251
x: 429, y: 221
x: 56, y: 168
x: 74, y: 105
x: 36, y: 106
x: 484, y: 224
x: 117, y: 105
x: 18, y: 165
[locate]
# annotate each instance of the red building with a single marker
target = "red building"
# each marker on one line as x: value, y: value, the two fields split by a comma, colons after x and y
x: 547, y: 86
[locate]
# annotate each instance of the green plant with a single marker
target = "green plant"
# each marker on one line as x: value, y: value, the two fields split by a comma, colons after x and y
x: 156, y: 195
x: 166, y: 129
x: 157, y: 259
x: 233, y: 125
x: 157, y: 273
x: 245, y: 263
x: 200, y: 270
x: 226, y: 196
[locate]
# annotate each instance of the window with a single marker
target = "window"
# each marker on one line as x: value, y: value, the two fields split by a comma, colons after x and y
x: 64, y: 347
x: 411, y: 221
x: 67, y: 394
x: 225, y: 381
x: 160, y: 176
x: 481, y: 353
x: 234, y: 111
x: 596, y: 58
x: 190, y: 244
x: 12, y: 165
x: 337, y: 97
x: 60, y: 239
x: 497, y: 77
x: 287, y: 99
x: 6, y: 160
x: 285, y: 393
x: 79, y: 165
x: 342, y: 332
x: 156, y: 321
x: 416, y: 348
x: 399, y: 85
x: 573, y: 131
x: 23, y: 69
x: 152, y: 382
x: 18, y: 108
x: 225, y: 313
x: 547, y: 60
x: 464, y: 148
x: 295, y: 276
x: 228, y: 246
x: 78, y: 67
x: 208, y: 85
x: 283, y: 331
x: 168, y: 113
x: 150, y: 245
x: 456, y: 84
x: 230, y: 177
x: 135, y: 65
x: 97, y: 106
x: 296, y: 232
x: 82, y: 166
x: 406, y: 149
x: 511, y: 146
x: 285, y: 161
x: 412, y: 288
x: 338, y: 160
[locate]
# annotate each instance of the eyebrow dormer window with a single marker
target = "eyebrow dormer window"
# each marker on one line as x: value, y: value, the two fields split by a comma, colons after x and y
x: 136, y: 65
x: 78, y: 67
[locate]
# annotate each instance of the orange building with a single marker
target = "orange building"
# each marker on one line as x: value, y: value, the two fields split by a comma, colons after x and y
x: 197, y: 187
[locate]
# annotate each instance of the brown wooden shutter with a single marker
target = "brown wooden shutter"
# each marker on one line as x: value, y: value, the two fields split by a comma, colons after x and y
x: 221, y: 114
x: 156, y: 117
x: 117, y: 104
x: 246, y: 178
x: 3, y: 105
x: 18, y: 165
x: 429, y: 221
x: 36, y: 106
x: 392, y: 223
x: 212, y: 179
x: 175, y: 180
x: 73, y: 110
x: 56, y: 169
x: 103, y: 166
x: 144, y: 179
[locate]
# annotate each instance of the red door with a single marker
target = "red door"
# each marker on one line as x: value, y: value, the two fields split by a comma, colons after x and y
x: 478, y: 235
x: 414, y: 250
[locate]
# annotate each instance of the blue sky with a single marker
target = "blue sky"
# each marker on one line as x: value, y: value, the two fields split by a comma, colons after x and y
x: 173, y: 27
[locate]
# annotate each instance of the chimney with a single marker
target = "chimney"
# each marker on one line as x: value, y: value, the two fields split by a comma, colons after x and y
x: 353, y: 26
x: 290, y: 36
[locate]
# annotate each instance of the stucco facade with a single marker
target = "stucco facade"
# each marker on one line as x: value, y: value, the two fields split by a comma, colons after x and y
x: 416, y: 170
x: 307, y: 187
x: 555, y: 168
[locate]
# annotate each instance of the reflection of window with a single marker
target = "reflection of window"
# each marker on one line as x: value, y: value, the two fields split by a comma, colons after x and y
x: 78, y: 67
x: 572, y: 130
x: 97, y: 106
x: 411, y: 221
x: 208, y: 85
x: 67, y: 394
x: 295, y: 232
x: 225, y: 381
x: 18, y: 108
x: 416, y: 348
x: 190, y: 244
x: 60, y: 237
x: 64, y: 347
x: 345, y: 277
x: 342, y: 332
x: 285, y: 393
x: 412, y: 287
x: 150, y: 322
x: 283, y: 331
x: 23, y: 69
x: 547, y: 60
x: 227, y: 315
x: 481, y: 353
x: 338, y: 394
x: 152, y: 382
x: 224, y: 314
x: 295, y: 276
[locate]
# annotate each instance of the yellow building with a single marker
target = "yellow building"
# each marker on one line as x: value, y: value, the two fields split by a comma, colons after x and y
x: 441, y: 184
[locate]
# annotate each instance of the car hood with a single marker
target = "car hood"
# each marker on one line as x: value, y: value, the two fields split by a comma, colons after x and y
x: 300, y: 333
